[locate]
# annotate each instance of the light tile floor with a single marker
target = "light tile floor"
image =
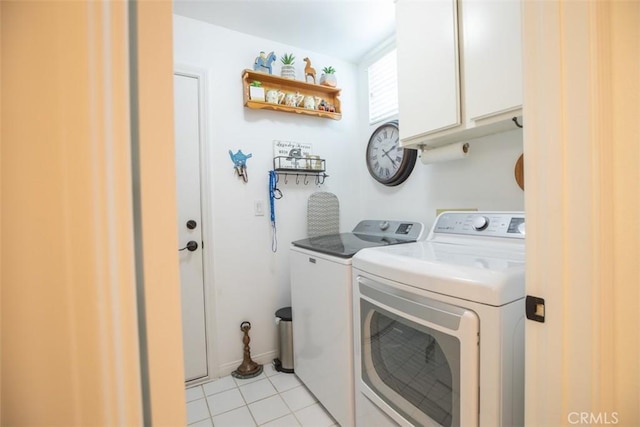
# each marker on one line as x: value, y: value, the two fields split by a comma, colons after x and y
x: 272, y: 399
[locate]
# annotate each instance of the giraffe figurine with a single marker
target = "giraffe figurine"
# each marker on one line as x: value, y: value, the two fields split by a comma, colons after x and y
x: 309, y: 71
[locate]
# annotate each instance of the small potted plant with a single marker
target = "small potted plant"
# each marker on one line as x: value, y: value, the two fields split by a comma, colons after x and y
x: 256, y: 91
x: 328, y: 77
x: 288, y: 70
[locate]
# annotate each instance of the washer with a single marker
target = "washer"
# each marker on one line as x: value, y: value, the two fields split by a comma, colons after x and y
x: 439, y: 325
x: 321, y: 301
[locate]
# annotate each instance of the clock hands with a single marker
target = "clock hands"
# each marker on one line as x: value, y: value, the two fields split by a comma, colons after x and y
x: 386, y: 153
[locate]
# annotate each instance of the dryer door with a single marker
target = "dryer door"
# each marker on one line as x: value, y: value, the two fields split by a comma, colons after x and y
x: 419, y: 357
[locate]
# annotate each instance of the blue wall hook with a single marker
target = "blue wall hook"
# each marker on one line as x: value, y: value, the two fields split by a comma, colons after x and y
x: 240, y: 163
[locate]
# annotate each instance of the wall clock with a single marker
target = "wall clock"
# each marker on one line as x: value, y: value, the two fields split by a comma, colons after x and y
x: 388, y: 163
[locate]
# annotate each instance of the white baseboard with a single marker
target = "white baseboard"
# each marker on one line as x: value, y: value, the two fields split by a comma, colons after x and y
x: 264, y: 359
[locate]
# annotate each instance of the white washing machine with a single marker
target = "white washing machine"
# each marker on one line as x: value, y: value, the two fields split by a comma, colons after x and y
x: 439, y: 325
x: 321, y: 303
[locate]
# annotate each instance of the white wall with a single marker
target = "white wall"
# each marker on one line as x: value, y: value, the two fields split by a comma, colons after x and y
x: 250, y: 281
x: 484, y: 180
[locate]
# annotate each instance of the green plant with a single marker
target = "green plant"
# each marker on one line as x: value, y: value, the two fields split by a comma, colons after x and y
x: 288, y: 59
x: 328, y: 70
x: 256, y: 83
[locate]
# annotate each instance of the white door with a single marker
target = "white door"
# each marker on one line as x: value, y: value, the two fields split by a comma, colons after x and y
x: 582, y: 101
x: 187, y: 128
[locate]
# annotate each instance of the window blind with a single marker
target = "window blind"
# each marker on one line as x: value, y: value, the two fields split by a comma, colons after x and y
x: 383, y: 88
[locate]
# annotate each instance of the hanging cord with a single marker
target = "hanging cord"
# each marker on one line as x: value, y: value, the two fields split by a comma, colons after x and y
x: 274, y: 194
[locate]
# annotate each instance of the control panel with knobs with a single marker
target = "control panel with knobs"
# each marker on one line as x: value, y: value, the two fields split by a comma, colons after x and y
x: 409, y: 230
x: 486, y: 224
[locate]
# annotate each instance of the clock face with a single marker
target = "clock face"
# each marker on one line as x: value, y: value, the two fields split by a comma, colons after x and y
x: 387, y: 162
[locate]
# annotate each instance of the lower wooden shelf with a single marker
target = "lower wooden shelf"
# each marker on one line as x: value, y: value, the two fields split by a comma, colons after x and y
x: 259, y: 105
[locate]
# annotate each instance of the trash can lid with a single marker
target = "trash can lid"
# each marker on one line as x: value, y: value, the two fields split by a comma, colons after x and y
x: 284, y: 313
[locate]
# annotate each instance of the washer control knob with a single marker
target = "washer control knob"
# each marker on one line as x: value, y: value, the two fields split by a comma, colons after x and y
x: 384, y: 225
x: 480, y: 223
x: 521, y: 228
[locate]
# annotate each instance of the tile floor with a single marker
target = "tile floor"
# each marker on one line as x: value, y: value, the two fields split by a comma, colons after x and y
x: 272, y: 399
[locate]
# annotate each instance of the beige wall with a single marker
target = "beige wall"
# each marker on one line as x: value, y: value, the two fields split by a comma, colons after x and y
x: 581, y: 134
x: 70, y: 351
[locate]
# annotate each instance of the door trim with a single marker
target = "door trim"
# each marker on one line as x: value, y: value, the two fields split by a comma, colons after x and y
x: 206, y: 199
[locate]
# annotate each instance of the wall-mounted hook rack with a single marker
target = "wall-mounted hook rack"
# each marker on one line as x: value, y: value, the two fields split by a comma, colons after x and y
x: 302, y: 177
x: 300, y: 167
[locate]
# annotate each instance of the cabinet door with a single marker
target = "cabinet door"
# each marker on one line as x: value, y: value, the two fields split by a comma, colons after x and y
x: 492, y: 56
x: 428, y: 79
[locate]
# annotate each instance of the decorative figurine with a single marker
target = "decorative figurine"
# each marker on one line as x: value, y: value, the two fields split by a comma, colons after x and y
x: 295, y: 154
x: 240, y: 162
x: 263, y: 62
x: 309, y: 71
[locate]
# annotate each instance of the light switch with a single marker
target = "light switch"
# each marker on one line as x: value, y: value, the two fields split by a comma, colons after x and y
x: 258, y: 207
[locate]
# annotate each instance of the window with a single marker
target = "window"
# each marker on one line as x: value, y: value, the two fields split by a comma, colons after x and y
x: 383, y: 88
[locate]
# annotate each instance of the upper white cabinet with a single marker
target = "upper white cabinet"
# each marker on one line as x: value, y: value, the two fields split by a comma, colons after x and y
x: 459, y: 69
x: 492, y: 54
x: 428, y: 78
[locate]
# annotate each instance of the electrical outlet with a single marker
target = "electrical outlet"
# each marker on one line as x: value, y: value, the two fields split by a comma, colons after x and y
x: 258, y: 207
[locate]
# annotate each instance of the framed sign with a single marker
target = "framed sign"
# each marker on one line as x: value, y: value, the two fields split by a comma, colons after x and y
x: 291, y: 154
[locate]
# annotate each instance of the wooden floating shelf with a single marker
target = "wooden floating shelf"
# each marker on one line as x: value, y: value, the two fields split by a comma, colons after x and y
x: 269, y: 81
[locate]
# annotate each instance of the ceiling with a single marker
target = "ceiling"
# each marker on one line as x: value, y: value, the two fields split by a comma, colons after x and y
x: 345, y: 29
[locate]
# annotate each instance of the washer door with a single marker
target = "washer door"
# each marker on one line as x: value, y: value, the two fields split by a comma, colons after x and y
x: 419, y: 356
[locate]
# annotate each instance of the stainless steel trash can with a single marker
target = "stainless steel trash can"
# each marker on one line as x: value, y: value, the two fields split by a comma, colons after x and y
x: 285, y: 341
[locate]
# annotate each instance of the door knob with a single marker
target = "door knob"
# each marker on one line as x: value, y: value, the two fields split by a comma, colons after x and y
x: 191, y: 224
x: 191, y: 246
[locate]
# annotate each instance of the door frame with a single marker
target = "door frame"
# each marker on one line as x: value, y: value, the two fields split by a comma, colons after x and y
x: 206, y: 198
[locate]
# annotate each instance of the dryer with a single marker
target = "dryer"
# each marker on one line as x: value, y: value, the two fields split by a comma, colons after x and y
x: 439, y: 325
